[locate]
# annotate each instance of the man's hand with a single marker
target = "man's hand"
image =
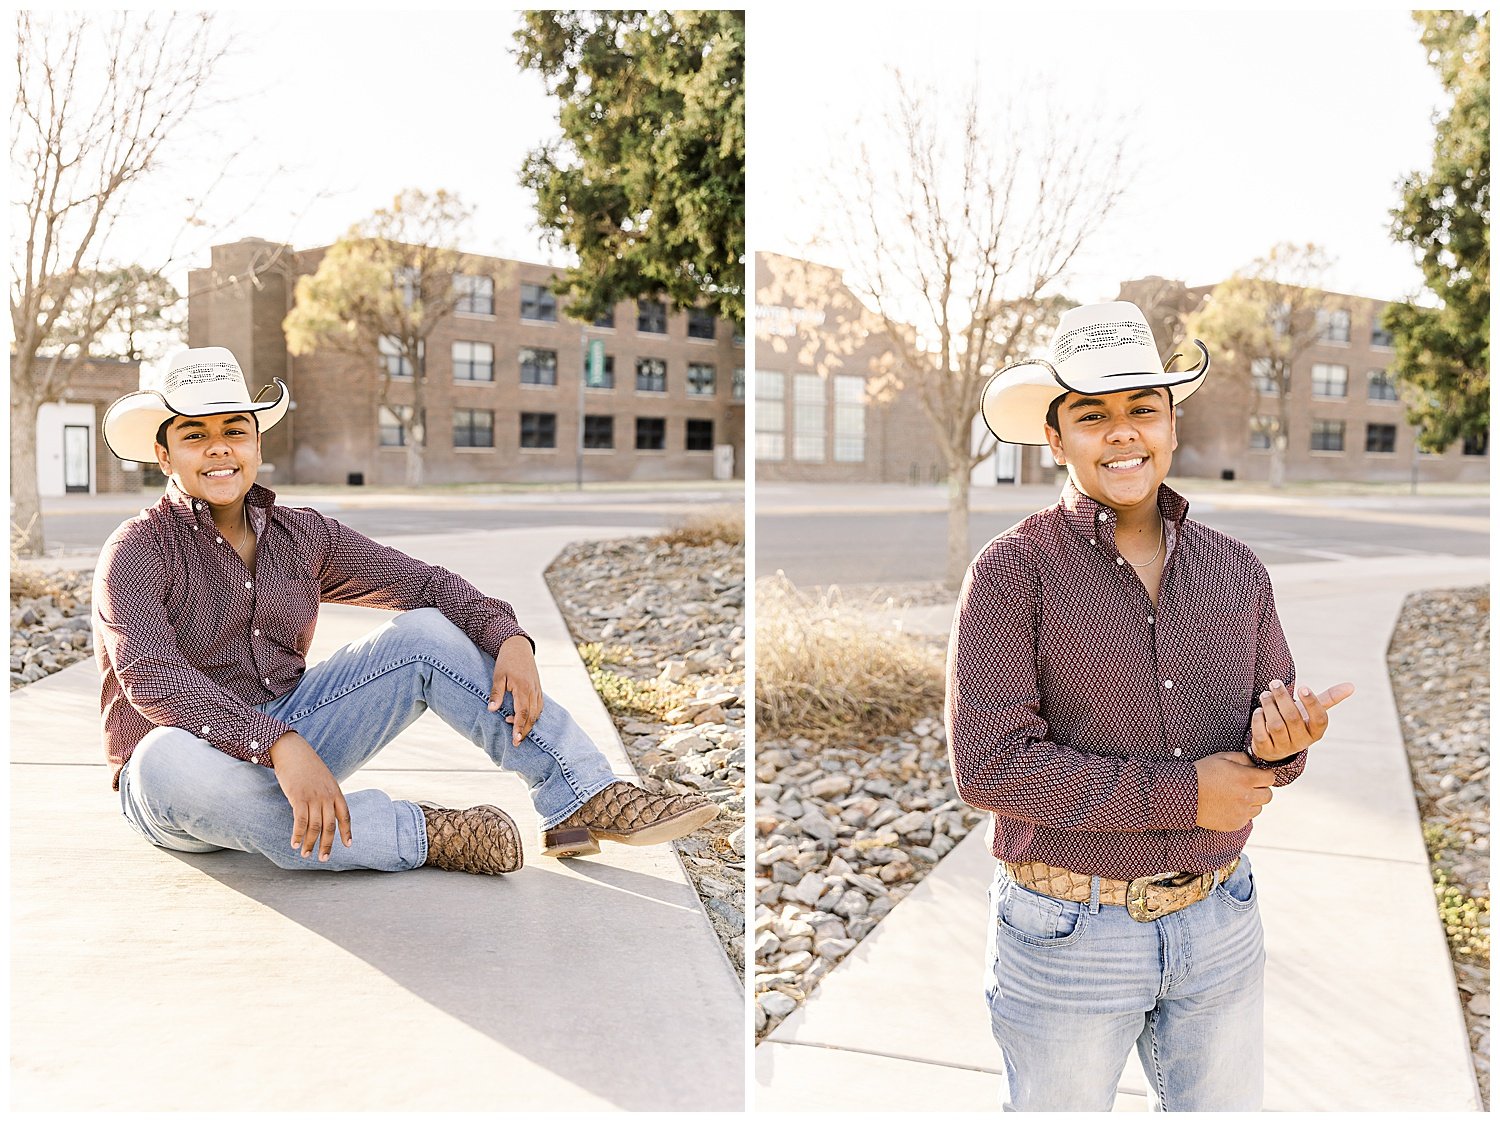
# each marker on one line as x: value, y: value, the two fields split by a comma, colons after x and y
x: 1281, y: 728
x: 1231, y: 791
x: 515, y: 674
x: 317, y: 802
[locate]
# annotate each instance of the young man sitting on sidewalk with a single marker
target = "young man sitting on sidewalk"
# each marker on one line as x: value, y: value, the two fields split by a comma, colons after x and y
x: 221, y: 735
x: 1104, y: 669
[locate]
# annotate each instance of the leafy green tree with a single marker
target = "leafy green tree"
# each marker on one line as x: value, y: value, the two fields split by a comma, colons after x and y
x: 647, y: 182
x: 1443, y: 353
x: 380, y: 292
x: 1264, y: 318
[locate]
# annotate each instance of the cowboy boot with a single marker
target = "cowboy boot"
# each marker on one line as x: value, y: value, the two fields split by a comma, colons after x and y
x: 481, y: 839
x: 627, y: 814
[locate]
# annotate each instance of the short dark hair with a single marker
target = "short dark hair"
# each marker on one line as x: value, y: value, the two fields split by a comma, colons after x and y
x: 161, y: 431
x: 1057, y: 401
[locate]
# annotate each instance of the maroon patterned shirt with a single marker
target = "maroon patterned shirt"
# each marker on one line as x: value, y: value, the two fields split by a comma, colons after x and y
x: 1076, y: 707
x: 186, y: 636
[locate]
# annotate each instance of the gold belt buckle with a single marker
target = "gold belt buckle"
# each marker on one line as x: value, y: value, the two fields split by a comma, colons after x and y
x: 1138, y: 895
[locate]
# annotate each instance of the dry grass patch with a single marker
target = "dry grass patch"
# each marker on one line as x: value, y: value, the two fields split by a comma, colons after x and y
x: 721, y: 524
x: 823, y: 671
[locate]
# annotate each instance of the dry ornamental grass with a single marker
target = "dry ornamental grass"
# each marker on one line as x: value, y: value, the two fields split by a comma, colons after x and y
x: 823, y: 672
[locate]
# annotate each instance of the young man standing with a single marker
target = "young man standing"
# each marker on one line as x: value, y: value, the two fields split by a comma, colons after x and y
x: 221, y: 735
x: 1120, y: 696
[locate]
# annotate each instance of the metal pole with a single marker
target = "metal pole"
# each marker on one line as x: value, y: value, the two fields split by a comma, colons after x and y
x: 583, y: 364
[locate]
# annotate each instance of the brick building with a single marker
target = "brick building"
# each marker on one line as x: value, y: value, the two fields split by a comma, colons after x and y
x: 71, y: 456
x: 504, y: 382
x: 1346, y: 419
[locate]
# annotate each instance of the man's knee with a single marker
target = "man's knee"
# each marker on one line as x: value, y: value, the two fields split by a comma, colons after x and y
x: 168, y: 761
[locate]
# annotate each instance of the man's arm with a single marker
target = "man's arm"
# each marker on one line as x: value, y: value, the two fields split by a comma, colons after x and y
x: 999, y: 746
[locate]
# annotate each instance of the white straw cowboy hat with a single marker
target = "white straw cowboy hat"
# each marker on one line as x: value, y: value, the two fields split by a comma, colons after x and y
x: 1098, y: 349
x: 198, y: 383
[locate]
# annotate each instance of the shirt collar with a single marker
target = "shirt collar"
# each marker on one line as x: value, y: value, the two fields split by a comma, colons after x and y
x: 258, y: 498
x: 1084, y: 514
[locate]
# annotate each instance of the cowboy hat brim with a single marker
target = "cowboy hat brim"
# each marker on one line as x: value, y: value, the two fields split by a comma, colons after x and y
x: 1015, y: 401
x: 130, y: 424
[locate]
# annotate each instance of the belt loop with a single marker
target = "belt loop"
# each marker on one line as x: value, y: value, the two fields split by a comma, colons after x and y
x: 1094, y: 895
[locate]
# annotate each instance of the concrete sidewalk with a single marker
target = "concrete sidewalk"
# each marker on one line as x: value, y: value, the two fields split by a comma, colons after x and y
x: 1361, y: 1008
x: 147, y: 980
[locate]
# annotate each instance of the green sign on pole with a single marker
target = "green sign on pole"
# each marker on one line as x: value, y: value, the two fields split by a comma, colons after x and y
x: 596, y: 363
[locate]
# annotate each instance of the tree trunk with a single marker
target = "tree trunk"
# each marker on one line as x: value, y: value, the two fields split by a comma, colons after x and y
x: 26, y: 533
x: 1278, y: 461
x: 958, y: 526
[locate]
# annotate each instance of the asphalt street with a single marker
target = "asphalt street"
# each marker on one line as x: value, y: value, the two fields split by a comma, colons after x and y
x: 819, y: 546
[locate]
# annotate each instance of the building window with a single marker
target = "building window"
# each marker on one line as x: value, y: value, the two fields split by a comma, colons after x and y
x: 1330, y: 380
x: 1380, y: 337
x: 476, y: 294
x: 473, y: 428
x: 1477, y: 445
x: 651, y: 375
x: 538, y: 367
x: 397, y: 365
x: 848, y: 419
x: 700, y: 379
x: 538, y: 430
x: 1262, y: 429
x: 651, y: 434
x: 405, y: 278
x: 737, y: 385
x: 738, y: 337
x: 538, y: 303
x: 1380, y: 438
x: 651, y: 316
x: 770, y: 415
x: 1260, y: 374
x: 393, y: 430
x: 605, y: 319
x: 700, y: 323
x: 1333, y: 325
x: 807, y: 419
x: 473, y: 362
x: 700, y: 436
x: 606, y: 377
x: 1382, y: 387
x: 1327, y: 436
x: 598, y: 431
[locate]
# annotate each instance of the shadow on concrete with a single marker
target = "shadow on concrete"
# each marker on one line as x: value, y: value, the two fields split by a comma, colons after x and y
x: 516, y: 958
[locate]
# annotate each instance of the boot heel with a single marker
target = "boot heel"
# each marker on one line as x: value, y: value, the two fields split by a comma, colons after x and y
x: 574, y: 842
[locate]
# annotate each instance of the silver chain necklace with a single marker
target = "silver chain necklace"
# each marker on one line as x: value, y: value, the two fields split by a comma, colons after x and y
x: 1159, y: 547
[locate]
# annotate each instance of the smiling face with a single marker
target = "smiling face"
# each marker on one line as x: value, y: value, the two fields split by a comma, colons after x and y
x: 1117, y: 446
x: 212, y: 458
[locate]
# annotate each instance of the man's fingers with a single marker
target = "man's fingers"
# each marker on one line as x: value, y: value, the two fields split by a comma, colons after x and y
x: 498, y: 689
x: 314, y: 830
x: 1335, y: 694
x: 299, y: 823
x: 345, y: 829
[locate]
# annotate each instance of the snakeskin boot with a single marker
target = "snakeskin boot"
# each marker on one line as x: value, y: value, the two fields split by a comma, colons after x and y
x: 480, y: 839
x: 623, y: 813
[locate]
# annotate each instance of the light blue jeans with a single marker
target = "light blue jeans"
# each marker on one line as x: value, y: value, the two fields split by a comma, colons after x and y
x: 184, y: 794
x: 1072, y: 986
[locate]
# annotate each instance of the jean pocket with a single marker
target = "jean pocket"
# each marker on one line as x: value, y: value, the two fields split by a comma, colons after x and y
x: 1040, y: 921
x: 1239, y: 890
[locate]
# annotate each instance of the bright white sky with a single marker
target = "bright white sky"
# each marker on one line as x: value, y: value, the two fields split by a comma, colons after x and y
x: 334, y: 113
x: 1254, y: 127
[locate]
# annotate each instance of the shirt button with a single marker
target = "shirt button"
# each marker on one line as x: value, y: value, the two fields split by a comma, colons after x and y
x: 1118, y: 561
x: 257, y: 631
x: 1093, y: 541
x: 247, y: 584
x: 267, y: 681
x: 1167, y: 684
x: 255, y: 759
x: 1176, y: 751
x: 1149, y: 619
x: 254, y: 744
x: 219, y: 540
x: 1104, y: 516
x: 205, y: 730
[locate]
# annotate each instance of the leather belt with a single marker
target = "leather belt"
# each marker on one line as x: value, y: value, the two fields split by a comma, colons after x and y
x: 1144, y: 898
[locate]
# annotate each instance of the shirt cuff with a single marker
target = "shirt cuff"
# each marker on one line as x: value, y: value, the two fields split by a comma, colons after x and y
x: 498, y: 630
x: 254, y: 744
x: 1176, y: 798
